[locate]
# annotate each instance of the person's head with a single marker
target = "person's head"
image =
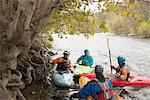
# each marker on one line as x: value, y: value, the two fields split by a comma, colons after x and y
x: 86, y: 52
x: 121, y: 60
x: 99, y: 73
x: 66, y: 54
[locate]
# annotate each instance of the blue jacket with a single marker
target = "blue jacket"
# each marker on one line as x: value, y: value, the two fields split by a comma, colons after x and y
x: 91, y: 88
x: 86, y: 60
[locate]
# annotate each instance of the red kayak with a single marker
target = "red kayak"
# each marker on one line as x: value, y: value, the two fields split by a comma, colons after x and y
x: 134, y: 80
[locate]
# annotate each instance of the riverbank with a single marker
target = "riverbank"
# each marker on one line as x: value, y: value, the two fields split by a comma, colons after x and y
x: 36, y: 91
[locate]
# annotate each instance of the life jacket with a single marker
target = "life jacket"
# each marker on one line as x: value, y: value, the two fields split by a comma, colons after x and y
x: 63, y: 65
x: 125, y: 72
x: 105, y: 94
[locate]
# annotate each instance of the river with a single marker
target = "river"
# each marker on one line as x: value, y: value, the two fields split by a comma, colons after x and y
x: 136, y: 51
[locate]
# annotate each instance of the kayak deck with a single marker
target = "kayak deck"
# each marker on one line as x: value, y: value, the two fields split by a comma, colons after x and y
x: 62, y: 80
x: 80, y: 69
x: 134, y: 81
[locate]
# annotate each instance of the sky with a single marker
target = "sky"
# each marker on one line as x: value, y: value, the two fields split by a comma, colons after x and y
x: 94, y: 6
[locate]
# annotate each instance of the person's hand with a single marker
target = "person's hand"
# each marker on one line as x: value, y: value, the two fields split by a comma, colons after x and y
x: 80, y: 62
x: 112, y: 66
x: 118, y: 75
x: 71, y: 70
x: 49, y: 61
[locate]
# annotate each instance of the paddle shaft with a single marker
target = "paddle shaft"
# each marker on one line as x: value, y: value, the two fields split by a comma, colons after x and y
x: 109, y: 53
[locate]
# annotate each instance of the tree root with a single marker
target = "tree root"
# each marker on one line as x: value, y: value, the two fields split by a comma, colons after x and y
x: 31, y: 67
x: 10, y: 84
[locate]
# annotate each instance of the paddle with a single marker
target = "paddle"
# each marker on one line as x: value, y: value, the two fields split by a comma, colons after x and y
x: 109, y: 53
x: 129, y: 89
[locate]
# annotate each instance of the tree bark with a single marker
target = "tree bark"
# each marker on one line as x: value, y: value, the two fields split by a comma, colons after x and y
x: 20, y: 22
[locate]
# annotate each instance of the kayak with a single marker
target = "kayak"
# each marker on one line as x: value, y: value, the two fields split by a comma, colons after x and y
x: 80, y: 69
x: 62, y: 78
x: 83, y: 81
x: 134, y: 80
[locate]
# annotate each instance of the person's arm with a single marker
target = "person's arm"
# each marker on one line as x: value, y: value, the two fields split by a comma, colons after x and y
x: 89, y: 89
x: 79, y: 59
x: 69, y: 63
x: 113, y: 67
x: 122, y: 77
x: 56, y: 61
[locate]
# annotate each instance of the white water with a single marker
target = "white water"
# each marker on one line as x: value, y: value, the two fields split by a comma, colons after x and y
x: 136, y: 51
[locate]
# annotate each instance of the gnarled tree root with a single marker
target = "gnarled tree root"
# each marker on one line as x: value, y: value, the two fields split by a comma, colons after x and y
x: 10, y: 84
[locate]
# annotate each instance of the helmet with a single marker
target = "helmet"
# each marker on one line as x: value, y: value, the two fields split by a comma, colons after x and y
x: 121, y: 59
x: 66, y: 53
x: 86, y: 50
x: 99, y: 69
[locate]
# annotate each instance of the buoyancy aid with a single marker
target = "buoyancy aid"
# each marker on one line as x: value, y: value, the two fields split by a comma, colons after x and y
x: 124, y: 73
x: 106, y: 93
x: 63, y: 65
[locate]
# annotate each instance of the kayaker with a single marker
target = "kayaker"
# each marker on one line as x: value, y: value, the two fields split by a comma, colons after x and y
x: 98, y: 89
x: 63, y: 62
x: 86, y: 59
x: 122, y: 71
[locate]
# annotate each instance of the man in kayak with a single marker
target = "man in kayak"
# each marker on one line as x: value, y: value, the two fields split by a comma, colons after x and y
x: 98, y: 89
x: 63, y: 62
x: 122, y: 71
x: 86, y: 59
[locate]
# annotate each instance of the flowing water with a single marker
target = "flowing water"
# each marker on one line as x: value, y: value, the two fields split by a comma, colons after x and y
x: 136, y: 51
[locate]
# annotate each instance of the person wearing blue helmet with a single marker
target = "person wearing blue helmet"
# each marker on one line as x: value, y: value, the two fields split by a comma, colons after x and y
x: 122, y: 71
x: 86, y: 59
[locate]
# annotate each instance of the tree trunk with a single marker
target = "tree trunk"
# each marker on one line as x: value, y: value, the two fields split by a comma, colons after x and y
x: 20, y: 22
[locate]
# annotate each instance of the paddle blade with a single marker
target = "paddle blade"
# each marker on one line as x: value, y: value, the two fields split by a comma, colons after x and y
x: 132, y: 88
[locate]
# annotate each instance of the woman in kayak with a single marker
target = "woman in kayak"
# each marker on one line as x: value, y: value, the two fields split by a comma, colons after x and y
x: 63, y: 62
x: 122, y: 71
x: 86, y: 59
x: 97, y: 89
